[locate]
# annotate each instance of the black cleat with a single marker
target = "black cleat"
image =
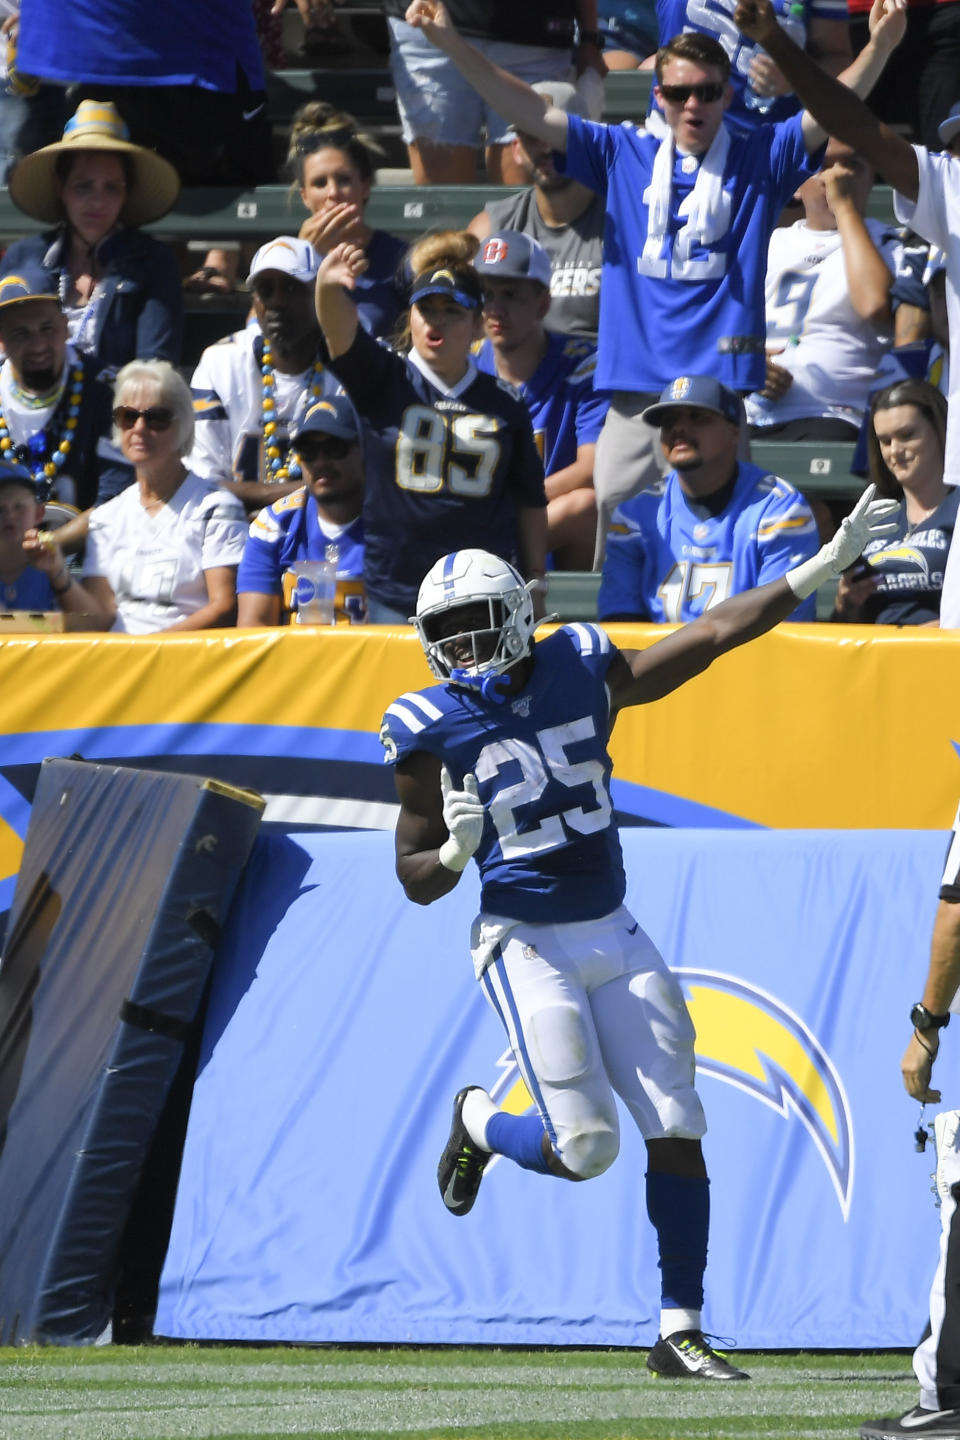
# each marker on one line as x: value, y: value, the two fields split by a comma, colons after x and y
x: 462, y: 1164
x: 687, y: 1355
x: 944, y: 1424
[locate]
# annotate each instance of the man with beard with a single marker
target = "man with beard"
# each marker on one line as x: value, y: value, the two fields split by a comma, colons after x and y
x: 249, y: 387
x: 321, y: 516
x: 55, y: 416
x: 714, y: 527
x: 563, y: 216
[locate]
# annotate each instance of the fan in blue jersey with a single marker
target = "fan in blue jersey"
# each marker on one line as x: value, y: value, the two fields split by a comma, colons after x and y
x: 505, y: 760
x: 713, y: 527
x: 319, y: 521
x: 449, y: 453
x: 554, y: 374
x: 760, y: 93
x: 689, y: 216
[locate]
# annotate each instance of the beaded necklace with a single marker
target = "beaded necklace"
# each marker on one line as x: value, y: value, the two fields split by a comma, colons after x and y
x: 45, y: 455
x: 281, y: 461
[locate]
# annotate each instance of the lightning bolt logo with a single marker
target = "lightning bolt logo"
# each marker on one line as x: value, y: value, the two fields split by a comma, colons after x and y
x: 901, y: 553
x: 749, y: 1039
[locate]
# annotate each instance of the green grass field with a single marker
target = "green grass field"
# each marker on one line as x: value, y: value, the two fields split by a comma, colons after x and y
x: 235, y: 1393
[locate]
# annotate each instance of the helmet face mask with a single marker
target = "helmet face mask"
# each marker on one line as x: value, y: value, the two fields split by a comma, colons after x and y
x: 474, y: 617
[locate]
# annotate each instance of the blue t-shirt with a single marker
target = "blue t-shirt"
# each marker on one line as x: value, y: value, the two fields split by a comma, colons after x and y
x: 133, y: 42
x: 380, y: 293
x: 666, y: 561
x: 715, y: 18
x: 32, y: 591
x: 694, y: 311
x: 565, y: 410
x: 550, y: 850
x: 443, y: 471
x: 289, y: 530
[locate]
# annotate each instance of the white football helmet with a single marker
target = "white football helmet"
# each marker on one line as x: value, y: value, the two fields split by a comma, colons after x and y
x: 474, y: 578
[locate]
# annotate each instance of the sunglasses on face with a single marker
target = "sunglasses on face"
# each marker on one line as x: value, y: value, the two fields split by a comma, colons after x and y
x: 156, y: 417
x: 311, y: 447
x: 710, y: 91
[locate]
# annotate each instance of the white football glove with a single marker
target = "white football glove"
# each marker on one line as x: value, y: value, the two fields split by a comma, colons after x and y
x: 868, y: 519
x: 463, y: 814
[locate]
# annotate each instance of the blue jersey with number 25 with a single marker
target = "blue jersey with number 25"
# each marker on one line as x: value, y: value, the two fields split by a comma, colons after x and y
x: 550, y: 851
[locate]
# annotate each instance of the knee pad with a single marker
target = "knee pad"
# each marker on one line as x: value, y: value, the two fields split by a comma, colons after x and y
x: 589, y: 1152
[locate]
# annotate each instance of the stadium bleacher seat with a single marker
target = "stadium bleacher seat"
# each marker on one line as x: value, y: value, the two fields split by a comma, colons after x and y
x: 626, y: 95
x: 408, y: 210
x: 814, y: 467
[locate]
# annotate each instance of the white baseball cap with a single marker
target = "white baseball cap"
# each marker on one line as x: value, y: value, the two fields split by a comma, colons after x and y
x: 291, y: 255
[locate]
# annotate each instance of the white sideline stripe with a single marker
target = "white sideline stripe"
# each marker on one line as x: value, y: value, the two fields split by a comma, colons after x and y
x: 323, y: 810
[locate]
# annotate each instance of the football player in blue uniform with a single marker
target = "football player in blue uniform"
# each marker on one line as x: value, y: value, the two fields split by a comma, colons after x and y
x: 713, y: 527
x: 554, y: 375
x: 505, y: 760
x: 449, y: 452
x: 688, y: 220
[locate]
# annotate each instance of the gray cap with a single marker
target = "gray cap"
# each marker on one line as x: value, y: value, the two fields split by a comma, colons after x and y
x: 562, y: 95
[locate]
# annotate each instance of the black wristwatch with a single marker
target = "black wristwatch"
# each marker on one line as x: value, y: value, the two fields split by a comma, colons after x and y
x: 592, y: 37
x: 923, y: 1019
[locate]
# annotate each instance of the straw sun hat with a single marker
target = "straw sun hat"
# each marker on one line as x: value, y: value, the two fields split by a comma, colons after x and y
x: 97, y: 125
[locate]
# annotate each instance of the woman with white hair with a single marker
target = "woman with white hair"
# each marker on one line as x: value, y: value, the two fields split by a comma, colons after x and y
x: 163, y: 554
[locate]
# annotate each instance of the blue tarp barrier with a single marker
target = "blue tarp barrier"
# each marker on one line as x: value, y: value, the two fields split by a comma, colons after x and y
x: 126, y: 879
x: 343, y: 1019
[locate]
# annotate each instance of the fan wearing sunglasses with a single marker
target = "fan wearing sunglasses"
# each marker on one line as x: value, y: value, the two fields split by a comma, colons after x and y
x: 163, y: 554
x: 322, y: 515
x: 689, y: 213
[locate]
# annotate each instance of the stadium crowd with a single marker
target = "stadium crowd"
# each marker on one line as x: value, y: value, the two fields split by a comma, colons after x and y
x: 598, y: 357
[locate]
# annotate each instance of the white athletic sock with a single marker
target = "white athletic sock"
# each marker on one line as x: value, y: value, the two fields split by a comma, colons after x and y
x: 477, y: 1110
x: 673, y: 1321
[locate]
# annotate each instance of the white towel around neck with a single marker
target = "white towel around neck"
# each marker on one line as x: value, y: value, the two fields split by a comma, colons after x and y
x: 704, y: 209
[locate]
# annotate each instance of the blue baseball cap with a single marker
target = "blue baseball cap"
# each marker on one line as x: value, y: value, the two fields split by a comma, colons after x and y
x: 28, y: 282
x: 512, y: 255
x: 13, y: 474
x: 333, y: 415
x: 949, y: 127
x: 695, y: 392
x: 462, y: 285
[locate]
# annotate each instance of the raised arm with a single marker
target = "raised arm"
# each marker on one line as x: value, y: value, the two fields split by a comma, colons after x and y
x: 640, y: 676
x: 831, y: 107
x: 510, y: 97
x: 869, y: 281
x: 336, y: 311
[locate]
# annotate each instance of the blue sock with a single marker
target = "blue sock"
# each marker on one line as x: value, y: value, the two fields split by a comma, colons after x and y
x: 520, y: 1138
x: 679, y: 1209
